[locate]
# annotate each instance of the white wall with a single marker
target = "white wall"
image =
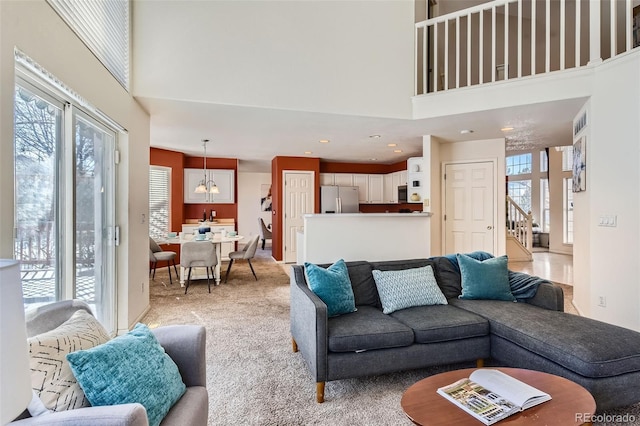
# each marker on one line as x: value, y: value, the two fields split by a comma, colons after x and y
x: 249, y: 209
x: 38, y: 31
x: 607, y: 260
x: 344, y: 57
x: 489, y: 150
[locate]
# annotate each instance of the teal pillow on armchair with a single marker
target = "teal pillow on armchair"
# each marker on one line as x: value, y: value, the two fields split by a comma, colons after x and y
x: 488, y: 279
x: 130, y: 368
x: 333, y: 286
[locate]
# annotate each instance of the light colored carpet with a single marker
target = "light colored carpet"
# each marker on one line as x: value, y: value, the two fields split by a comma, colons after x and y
x: 253, y: 377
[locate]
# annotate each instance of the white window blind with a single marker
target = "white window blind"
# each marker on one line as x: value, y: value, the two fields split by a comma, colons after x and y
x: 103, y: 25
x: 159, y: 201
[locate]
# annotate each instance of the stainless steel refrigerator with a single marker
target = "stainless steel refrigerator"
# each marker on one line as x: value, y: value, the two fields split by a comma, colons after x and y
x: 339, y: 199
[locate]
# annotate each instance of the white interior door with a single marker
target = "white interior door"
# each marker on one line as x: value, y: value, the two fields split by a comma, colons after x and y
x: 298, y: 201
x: 470, y: 221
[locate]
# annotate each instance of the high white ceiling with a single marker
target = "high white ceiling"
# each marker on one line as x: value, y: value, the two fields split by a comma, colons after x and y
x: 256, y: 135
x: 268, y: 78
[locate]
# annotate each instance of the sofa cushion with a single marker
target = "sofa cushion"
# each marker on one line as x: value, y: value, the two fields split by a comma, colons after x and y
x: 407, y: 287
x: 51, y: 376
x: 441, y: 323
x: 364, y: 287
x: 130, y: 368
x: 367, y: 328
x: 449, y: 278
x: 332, y: 285
x: 488, y: 279
x: 587, y: 347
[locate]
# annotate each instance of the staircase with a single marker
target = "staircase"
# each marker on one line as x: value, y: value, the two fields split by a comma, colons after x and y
x: 519, y: 232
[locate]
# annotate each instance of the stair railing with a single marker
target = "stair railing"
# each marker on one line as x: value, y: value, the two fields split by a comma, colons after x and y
x: 519, y: 224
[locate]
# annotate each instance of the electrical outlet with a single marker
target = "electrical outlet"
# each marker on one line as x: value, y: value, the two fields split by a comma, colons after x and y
x: 602, y: 301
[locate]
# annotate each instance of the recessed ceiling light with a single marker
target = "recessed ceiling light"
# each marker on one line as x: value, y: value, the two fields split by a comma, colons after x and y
x: 373, y: 159
x: 375, y: 136
x: 506, y: 129
x: 465, y: 131
x: 392, y: 144
x: 397, y: 151
x: 308, y: 152
x: 324, y: 141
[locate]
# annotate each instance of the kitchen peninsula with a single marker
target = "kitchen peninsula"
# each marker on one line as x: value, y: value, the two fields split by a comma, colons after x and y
x: 364, y: 236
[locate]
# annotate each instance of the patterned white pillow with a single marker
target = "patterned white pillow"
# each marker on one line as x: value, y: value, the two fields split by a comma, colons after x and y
x: 408, y: 287
x: 51, y: 376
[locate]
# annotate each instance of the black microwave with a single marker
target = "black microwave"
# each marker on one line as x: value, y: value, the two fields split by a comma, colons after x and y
x: 402, y: 193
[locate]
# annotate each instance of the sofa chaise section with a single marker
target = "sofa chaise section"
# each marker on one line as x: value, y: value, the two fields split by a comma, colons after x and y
x: 603, y: 358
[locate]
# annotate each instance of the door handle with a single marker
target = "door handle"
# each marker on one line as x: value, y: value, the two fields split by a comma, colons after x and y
x: 489, y: 227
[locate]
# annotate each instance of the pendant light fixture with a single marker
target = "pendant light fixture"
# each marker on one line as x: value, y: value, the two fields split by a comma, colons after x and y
x: 206, y: 186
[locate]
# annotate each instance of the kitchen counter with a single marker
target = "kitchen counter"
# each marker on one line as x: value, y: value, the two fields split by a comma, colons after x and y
x: 365, y: 236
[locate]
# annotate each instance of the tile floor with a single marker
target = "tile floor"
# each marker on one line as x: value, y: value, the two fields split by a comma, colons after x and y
x: 551, y: 266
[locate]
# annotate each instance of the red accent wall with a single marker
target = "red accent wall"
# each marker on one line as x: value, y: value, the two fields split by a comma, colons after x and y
x: 174, y: 160
x: 194, y: 211
x: 180, y: 212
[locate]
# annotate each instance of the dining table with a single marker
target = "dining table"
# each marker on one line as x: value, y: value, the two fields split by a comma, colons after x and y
x: 216, y: 239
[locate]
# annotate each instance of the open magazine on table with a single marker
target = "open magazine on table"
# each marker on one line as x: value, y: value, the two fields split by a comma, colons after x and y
x: 491, y: 395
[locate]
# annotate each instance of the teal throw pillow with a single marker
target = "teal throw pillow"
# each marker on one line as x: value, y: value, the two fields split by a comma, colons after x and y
x: 488, y: 279
x: 407, y: 288
x: 333, y: 286
x: 130, y: 368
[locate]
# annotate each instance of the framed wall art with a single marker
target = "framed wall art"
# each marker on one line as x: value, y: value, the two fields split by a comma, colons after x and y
x: 579, y: 165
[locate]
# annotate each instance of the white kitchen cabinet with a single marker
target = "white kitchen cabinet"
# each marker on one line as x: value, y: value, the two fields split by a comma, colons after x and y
x: 391, y: 183
x: 327, y: 179
x: 376, y: 189
x: 403, y: 177
x: 224, y: 179
x: 388, y: 189
x: 362, y: 182
x: 343, y: 179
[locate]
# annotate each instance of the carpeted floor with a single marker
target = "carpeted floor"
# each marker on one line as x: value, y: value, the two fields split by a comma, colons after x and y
x: 253, y: 377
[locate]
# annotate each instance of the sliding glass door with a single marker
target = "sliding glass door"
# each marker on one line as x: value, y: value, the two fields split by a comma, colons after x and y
x: 38, y: 128
x: 64, y: 202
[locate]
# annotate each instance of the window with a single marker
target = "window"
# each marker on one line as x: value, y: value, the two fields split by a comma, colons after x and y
x: 544, y: 205
x: 520, y: 192
x: 159, y: 201
x: 544, y: 161
x: 104, y: 27
x: 64, y: 206
x: 518, y: 164
x: 567, y: 158
x: 568, y: 211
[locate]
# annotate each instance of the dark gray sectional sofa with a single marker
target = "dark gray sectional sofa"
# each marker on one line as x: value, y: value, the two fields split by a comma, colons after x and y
x: 532, y: 333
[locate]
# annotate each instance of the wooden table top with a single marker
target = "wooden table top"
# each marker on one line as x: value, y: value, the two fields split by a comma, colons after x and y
x: 570, y: 403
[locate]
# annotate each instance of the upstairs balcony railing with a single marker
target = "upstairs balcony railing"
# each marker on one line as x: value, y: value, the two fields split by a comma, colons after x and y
x: 510, y: 39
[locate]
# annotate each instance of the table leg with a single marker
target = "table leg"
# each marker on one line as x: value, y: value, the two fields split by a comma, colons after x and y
x: 182, y: 276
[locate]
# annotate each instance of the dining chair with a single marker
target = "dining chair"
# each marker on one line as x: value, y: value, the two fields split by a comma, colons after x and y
x: 265, y: 233
x: 156, y: 254
x: 198, y: 254
x: 247, y: 254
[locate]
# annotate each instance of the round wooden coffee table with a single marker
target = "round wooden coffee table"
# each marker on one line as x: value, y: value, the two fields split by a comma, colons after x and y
x: 571, y: 404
